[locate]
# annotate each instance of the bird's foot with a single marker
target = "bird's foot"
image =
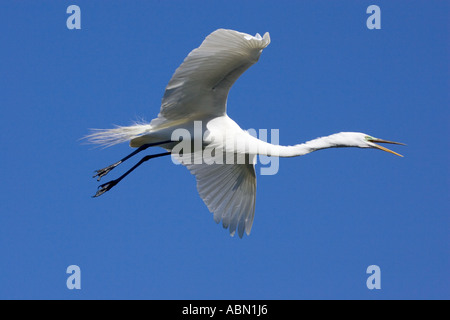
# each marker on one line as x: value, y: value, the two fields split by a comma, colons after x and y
x: 103, y: 172
x: 105, y: 187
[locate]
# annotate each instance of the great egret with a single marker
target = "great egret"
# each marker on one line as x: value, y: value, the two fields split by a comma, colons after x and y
x: 198, y: 92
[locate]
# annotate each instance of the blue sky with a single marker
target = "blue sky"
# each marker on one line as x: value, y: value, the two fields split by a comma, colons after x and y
x: 320, y: 221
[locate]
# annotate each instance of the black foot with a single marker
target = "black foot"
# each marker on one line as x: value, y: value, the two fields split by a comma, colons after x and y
x: 103, y: 172
x: 105, y: 187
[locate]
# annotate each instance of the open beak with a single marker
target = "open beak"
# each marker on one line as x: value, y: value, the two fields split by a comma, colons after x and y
x: 373, y: 140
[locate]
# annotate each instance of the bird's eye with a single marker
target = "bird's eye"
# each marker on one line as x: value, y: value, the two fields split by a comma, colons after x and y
x: 368, y: 138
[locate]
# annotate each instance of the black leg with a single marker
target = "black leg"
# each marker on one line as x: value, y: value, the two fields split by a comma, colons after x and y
x: 108, y: 185
x: 103, y: 172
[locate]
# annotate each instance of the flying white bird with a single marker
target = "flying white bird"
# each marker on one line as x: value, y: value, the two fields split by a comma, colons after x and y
x: 198, y: 92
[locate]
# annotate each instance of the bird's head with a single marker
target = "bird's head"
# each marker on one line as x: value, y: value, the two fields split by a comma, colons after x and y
x: 363, y: 140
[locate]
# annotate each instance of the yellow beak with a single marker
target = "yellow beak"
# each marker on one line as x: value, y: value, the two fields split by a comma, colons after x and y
x: 373, y: 140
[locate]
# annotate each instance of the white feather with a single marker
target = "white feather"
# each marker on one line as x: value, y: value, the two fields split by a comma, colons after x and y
x: 229, y: 192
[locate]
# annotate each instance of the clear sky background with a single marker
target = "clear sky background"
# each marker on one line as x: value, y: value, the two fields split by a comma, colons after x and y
x: 319, y: 222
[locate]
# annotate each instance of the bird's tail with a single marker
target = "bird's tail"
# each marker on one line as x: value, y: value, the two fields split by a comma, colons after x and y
x: 110, y: 137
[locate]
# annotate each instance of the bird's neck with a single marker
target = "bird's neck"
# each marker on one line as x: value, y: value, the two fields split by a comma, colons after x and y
x: 331, y: 141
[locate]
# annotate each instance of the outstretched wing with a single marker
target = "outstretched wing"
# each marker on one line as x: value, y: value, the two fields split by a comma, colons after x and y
x: 229, y: 192
x: 201, y: 84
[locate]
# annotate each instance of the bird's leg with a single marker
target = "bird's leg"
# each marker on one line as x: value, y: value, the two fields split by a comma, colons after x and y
x: 103, y: 172
x: 108, y: 185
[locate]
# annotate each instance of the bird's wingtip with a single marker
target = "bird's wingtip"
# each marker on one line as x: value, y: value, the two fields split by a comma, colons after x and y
x: 266, y: 37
